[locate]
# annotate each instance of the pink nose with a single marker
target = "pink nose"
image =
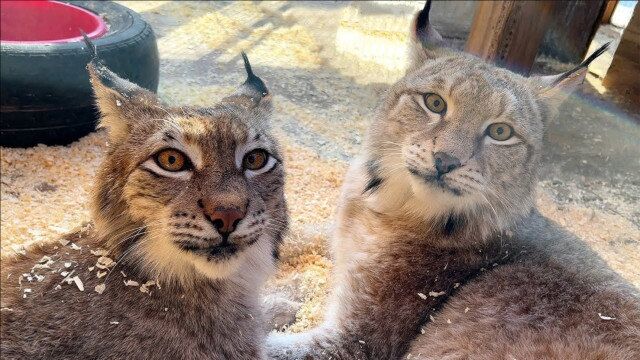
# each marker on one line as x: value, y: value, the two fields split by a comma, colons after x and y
x: 225, y: 220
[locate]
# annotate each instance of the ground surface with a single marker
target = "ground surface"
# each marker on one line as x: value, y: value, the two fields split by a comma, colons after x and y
x: 327, y: 65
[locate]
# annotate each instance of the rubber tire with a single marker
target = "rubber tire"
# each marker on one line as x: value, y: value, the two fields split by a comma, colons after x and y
x: 45, y: 94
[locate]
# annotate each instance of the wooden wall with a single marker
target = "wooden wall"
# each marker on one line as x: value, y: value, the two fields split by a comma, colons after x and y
x: 623, y: 76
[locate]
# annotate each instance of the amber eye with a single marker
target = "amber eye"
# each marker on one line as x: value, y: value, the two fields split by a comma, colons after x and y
x: 500, y: 131
x: 435, y: 103
x: 171, y: 160
x: 255, y: 159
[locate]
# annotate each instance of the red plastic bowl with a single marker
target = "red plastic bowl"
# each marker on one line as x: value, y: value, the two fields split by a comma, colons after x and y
x: 45, y: 22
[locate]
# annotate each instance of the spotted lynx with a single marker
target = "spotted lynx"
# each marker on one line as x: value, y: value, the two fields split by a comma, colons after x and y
x: 439, y: 250
x: 188, y: 215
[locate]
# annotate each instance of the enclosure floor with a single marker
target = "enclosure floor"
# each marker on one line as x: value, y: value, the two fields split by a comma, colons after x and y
x: 327, y: 65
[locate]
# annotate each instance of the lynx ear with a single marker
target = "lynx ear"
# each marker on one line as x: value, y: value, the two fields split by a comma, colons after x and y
x: 554, y: 89
x: 120, y: 101
x: 425, y: 40
x: 253, y: 93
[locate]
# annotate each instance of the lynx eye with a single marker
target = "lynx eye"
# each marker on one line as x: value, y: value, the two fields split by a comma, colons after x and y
x: 255, y: 160
x: 500, y: 131
x: 171, y: 160
x: 435, y: 103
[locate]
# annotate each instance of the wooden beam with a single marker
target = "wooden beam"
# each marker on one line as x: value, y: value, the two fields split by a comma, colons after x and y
x: 622, y: 76
x: 509, y: 33
x: 573, y: 25
x: 608, y: 11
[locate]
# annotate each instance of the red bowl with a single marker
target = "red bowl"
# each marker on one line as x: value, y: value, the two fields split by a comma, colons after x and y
x: 46, y: 22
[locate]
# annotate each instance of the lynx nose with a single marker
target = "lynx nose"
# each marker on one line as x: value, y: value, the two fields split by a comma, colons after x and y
x: 224, y: 217
x: 445, y: 162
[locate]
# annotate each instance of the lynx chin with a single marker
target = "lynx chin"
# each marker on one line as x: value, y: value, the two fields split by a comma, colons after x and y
x: 188, y: 215
x: 439, y: 250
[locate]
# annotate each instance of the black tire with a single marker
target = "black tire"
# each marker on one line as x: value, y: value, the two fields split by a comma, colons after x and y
x: 45, y: 94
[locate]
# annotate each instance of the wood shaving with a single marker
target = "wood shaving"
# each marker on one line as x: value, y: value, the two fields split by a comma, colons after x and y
x: 114, y: 322
x: 604, y: 317
x: 42, y: 266
x: 145, y: 287
x: 63, y: 242
x: 91, y: 268
x: 75, y: 247
x: 104, y: 262
x: 99, y: 252
x: 131, y: 283
x: 100, y: 274
x: 59, y: 229
x: 68, y: 279
x: 78, y: 283
x: 436, y: 294
x: 100, y: 288
x: 67, y: 264
x: 422, y: 296
x: 19, y: 249
x: 123, y: 274
x: 466, y: 310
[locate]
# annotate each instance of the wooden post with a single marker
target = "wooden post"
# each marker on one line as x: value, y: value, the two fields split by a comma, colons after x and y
x: 573, y: 25
x: 608, y: 11
x: 509, y: 33
x: 622, y: 77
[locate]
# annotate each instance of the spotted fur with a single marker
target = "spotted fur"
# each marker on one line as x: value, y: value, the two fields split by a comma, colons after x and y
x: 202, y: 301
x: 460, y: 264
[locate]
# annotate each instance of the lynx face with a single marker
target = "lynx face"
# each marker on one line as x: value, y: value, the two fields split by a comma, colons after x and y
x: 194, y: 190
x: 459, y: 138
x: 466, y: 135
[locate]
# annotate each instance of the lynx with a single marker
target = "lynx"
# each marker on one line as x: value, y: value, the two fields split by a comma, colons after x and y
x: 188, y: 215
x: 439, y: 250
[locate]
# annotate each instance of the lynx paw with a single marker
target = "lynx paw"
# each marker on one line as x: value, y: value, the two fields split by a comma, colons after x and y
x: 279, y: 311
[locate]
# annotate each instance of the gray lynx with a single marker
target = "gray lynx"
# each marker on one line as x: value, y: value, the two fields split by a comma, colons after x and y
x: 188, y: 215
x: 439, y: 250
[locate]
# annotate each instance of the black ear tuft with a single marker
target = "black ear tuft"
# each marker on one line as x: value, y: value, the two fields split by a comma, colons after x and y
x: 595, y: 55
x: 424, y: 35
x: 422, y: 21
x: 91, y: 46
x: 253, y: 82
x: 585, y: 63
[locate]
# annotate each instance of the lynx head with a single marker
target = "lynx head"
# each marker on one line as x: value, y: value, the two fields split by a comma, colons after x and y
x: 185, y: 192
x: 459, y: 139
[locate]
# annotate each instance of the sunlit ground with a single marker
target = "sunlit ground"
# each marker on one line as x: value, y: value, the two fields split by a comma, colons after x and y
x: 327, y: 65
